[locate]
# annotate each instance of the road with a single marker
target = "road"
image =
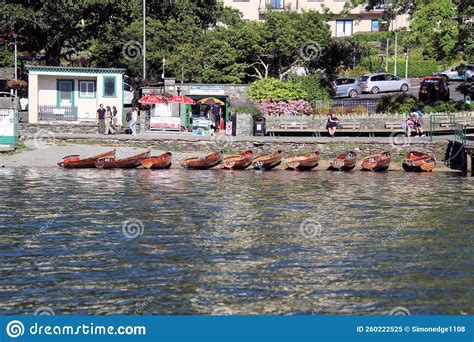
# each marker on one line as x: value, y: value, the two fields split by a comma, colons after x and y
x: 455, y: 96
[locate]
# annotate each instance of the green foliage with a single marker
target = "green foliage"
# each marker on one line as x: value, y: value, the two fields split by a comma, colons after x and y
x: 315, y: 85
x: 271, y: 89
x: 404, y: 103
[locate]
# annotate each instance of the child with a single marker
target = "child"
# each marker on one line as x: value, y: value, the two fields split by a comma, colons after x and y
x: 410, y: 123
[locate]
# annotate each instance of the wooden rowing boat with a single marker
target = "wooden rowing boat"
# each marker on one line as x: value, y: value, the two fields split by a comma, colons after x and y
x: 238, y: 162
x: 419, y: 162
x: 160, y: 162
x: 377, y: 162
x: 126, y: 163
x: 76, y: 162
x: 303, y: 163
x: 344, y: 162
x: 268, y: 162
x: 203, y: 163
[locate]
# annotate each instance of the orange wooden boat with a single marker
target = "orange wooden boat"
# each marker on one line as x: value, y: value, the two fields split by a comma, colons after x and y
x: 239, y: 162
x: 344, y: 162
x: 419, y: 162
x: 160, y: 162
x: 268, y: 162
x: 203, y: 163
x: 76, y: 162
x: 126, y: 163
x: 377, y: 162
x: 303, y: 163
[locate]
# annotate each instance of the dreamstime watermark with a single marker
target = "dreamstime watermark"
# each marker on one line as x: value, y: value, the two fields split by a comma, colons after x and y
x: 310, y: 51
x: 44, y: 311
x: 399, y: 140
x: 222, y: 141
x: 311, y: 228
x: 132, y: 50
x: 133, y: 228
x: 143, y: 306
x: 394, y: 233
x: 400, y: 311
x: 44, y: 227
x: 43, y: 139
x: 15, y: 329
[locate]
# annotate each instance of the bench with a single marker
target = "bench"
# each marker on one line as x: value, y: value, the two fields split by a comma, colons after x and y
x: 349, y: 125
x: 393, y: 124
x: 292, y: 127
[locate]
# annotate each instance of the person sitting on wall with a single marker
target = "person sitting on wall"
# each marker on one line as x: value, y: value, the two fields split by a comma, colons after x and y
x: 101, y: 118
x: 331, y: 126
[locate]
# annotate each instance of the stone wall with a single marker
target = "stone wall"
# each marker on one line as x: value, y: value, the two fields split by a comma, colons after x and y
x: 244, y: 124
x: 373, y: 121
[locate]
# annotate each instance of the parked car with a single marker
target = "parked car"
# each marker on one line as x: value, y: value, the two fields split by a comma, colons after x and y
x: 22, y: 103
x: 347, y: 87
x: 433, y: 89
x: 460, y: 73
x: 375, y: 83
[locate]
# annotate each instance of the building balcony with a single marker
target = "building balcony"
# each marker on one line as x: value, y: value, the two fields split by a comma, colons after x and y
x: 274, y: 5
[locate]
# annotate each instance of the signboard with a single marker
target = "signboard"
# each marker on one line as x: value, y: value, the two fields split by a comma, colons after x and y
x: 165, y: 123
x: 206, y: 90
x: 8, y: 129
x: 201, y: 126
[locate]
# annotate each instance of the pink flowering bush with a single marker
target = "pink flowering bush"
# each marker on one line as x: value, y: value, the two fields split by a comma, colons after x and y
x: 290, y: 108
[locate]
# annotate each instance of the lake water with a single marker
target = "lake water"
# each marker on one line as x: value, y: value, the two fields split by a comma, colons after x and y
x: 215, y: 242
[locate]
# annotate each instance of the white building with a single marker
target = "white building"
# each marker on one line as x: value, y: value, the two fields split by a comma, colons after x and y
x: 73, y: 94
x: 358, y: 20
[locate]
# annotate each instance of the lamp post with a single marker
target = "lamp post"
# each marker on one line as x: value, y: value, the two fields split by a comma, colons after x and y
x: 15, y: 54
x: 144, y: 40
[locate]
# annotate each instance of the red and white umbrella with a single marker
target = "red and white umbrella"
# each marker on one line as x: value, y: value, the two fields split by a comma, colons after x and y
x: 182, y: 99
x: 151, y: 99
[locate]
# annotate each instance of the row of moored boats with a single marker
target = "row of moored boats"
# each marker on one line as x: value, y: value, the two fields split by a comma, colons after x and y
x: 414, y: 161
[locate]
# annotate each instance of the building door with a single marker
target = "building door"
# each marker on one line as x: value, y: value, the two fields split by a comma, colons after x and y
x: 65, y: 93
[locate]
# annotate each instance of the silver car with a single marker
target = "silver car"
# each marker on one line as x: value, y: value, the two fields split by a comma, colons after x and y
x: 375, y: 83
x: 347, y: 87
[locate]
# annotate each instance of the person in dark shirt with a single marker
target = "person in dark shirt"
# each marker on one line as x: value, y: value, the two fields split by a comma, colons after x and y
x: 101, y: 119
x: 216, y: 116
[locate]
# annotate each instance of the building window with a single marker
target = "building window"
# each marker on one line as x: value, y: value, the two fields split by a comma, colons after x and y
x: 375, y: 26
x: 110, y: 89
x: 276, y: 4
x: 87, y: 89
x: 343, y: 28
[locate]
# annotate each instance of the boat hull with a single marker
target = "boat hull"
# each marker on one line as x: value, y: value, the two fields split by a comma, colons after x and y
x: 377, y: 163
x: 205, y: 163
x: 75, y: 162
x: 344, y: 162
x: 268, y: 162
x: 157, y: 163
x: 419, y: 162
x: 239, y: 162
x: 303, y: 163
x: 126, y: 163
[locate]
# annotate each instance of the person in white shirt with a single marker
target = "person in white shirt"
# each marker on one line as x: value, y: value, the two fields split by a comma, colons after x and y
x: 133, y: 121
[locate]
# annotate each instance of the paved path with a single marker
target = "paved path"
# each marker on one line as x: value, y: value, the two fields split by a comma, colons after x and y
x: 223, y: 139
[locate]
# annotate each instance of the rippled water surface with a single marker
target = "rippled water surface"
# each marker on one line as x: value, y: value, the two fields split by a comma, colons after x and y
x: 180, y: 242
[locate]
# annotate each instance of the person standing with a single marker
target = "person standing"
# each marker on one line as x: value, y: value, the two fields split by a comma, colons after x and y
x: 114, y: 119
x: 133, y: 121
x: 108, y: 119
x: 101, y: 118
x: 418, y: 115
x: 216, y: 116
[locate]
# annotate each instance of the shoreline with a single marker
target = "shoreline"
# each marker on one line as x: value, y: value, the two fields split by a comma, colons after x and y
x: 48, y: 155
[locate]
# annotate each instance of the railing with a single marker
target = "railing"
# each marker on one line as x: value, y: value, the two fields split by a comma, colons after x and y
x: 369, y: 106
x: 442, y: 124
x: 273, y: 5
x: 53, y: 113
x: 460, y: 133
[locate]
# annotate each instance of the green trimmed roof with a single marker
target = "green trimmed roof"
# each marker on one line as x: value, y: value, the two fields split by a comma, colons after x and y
x: 75, y: 70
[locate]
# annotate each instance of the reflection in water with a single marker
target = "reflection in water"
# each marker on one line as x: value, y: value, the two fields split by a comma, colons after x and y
x: 232, y: 242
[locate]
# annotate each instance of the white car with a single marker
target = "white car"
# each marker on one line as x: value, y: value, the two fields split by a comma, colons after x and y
x: 22, y: 103
x: 375, y: 83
